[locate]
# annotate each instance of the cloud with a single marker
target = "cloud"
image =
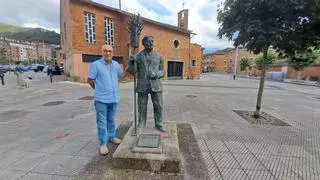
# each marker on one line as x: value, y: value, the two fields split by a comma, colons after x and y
x: 155, y: 6
x: 45, y: 14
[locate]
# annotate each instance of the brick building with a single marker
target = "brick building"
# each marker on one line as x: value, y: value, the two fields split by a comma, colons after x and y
x: 223, y: 61
x: 25, y: 51
x: 86, y: 26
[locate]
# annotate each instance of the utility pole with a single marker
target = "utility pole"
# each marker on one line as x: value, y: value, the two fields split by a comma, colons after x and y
x: 235, y: 63
x: 120, y: 5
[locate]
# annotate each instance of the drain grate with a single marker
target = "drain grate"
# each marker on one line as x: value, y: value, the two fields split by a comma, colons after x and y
x: 54, y: 103
x: 12, y: 115
x: 87, y: 98
x: 265, y: 118
x: 191, y: 96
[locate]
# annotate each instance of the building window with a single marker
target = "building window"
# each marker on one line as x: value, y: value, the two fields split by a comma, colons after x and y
x: 89, y: 58
x: 194, y: 62
x: 109, y: 31
x: 176, y: 43
x: 90, y: 27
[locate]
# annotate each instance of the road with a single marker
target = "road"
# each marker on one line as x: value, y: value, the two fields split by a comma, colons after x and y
x: 38, y: 78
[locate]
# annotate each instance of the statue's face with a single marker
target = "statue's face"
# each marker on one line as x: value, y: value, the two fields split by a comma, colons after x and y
x: 148, y: 44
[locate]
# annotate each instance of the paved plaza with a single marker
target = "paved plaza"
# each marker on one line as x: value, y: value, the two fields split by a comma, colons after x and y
x: 41, y: 139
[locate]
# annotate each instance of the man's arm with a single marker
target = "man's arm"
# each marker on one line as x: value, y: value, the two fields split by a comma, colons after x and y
x: 91, y: 83
x: 92, y: 75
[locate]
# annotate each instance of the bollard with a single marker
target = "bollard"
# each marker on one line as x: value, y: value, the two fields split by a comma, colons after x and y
x: 50, y: 77
x: 2, y: 79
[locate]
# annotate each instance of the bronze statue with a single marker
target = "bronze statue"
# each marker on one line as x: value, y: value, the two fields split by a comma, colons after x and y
x: 148, y: 64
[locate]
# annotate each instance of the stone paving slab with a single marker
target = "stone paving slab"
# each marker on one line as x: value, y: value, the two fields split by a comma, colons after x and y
x: 28, y: 162
x: 9, y: 157
x: 225, y: 160
x: 261, y: 175
x: 11, y: 175
x: 231, y: 174
x: 249, y: 162
x: 34, y: 176
x: 62, y: 165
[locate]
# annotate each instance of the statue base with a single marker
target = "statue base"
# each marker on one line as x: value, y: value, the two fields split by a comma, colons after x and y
x: 150, y: 150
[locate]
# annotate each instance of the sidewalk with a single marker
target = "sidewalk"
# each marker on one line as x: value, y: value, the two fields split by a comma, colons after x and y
x: 291, y: 81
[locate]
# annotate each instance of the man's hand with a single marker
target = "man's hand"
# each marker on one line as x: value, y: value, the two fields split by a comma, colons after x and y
x: 125, y: 72
x: 91, y: 82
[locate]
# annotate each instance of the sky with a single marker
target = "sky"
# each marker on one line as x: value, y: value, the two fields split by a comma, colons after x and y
x: 202, y: 15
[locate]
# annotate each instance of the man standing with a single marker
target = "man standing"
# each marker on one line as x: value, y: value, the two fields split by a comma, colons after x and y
x: 103, y: 78
x: 18, y: 71
x: 149, y: 66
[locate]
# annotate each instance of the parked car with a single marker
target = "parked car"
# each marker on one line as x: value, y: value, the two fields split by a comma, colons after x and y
x: 45, y: 69
x: 54, y: 70
x: 38, y: 68
x: 2, y: 70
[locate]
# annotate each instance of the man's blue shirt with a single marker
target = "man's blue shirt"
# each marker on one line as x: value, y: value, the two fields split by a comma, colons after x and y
x: 105, y: 78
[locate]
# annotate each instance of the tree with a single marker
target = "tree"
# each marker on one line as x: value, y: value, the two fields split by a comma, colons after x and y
x: 317, y: 54
x: 262, y: 24
x: 260, y: 62
x: 244, y: 63
x: 302, y: 59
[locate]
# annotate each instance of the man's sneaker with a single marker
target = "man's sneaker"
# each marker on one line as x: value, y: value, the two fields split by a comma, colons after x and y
x: 104, y: 150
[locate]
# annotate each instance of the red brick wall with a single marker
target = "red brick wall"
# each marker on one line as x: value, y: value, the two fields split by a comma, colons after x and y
x: 163, y: 43
x: 184, y: 23
x: 196, y: 54
x: 313, y: 70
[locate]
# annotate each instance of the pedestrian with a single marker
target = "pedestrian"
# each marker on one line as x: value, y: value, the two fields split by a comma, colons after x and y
x: 18, y: 71
x: 2, y: 72
x: 103, y: 78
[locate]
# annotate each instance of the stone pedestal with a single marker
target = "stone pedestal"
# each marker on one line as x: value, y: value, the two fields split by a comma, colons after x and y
x: 162, y: 158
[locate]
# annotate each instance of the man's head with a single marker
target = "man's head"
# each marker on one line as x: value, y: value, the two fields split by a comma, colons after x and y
x: 107, y: 52
x: 147, y: 42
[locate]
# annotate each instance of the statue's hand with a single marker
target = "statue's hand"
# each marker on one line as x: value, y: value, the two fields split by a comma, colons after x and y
x: 152, y: 75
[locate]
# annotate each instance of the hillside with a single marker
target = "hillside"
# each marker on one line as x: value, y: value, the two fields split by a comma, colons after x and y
x: 29, y: 34
x: 11, y: 28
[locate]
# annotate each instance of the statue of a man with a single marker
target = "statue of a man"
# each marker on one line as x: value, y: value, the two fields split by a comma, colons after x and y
x: 149, y: 66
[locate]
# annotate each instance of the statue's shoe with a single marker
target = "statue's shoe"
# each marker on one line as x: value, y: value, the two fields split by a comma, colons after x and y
x: 160, y: 128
